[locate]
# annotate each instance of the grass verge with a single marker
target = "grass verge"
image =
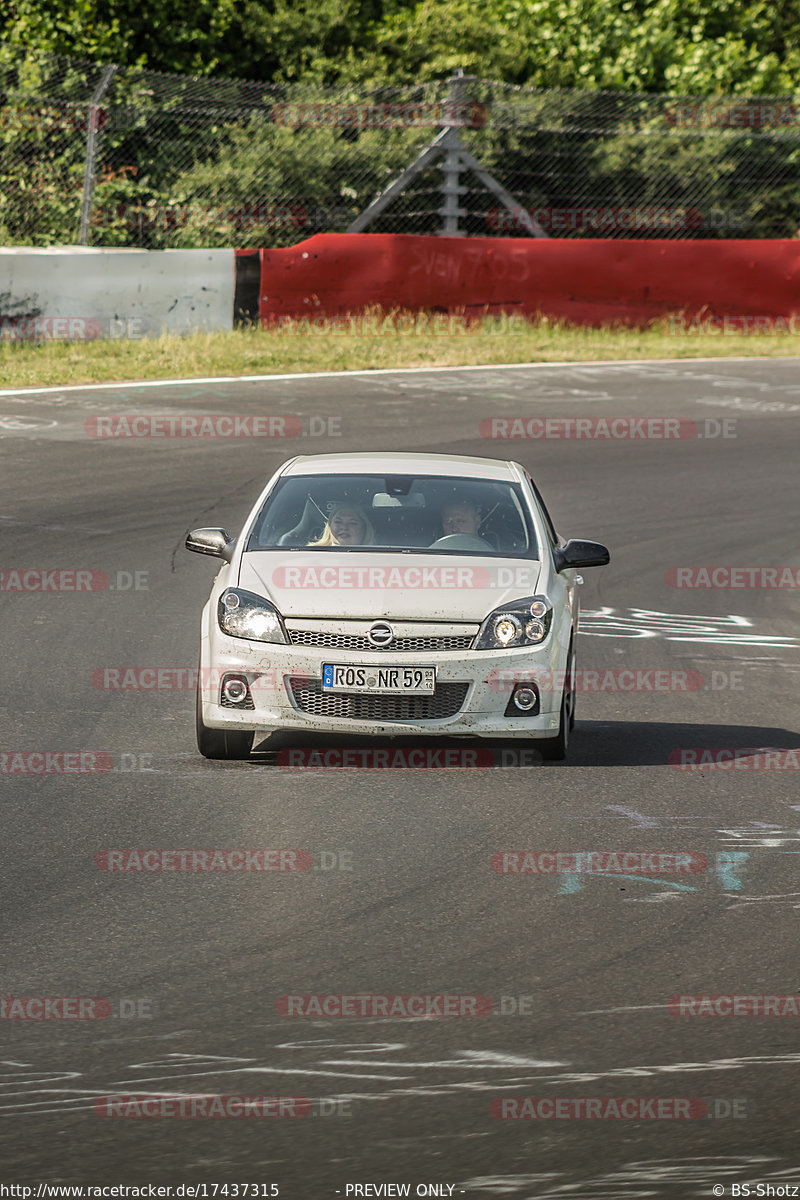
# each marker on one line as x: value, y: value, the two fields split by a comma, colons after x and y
x: 376, y: 341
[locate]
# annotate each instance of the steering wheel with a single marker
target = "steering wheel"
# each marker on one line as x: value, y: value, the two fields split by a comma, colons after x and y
x: 461, y: 541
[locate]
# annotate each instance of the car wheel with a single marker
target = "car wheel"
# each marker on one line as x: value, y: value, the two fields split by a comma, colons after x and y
x: 555, y: 749
x: 221, y: 743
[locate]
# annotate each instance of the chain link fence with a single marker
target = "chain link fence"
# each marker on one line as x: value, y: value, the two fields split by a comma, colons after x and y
x: 123, y: 157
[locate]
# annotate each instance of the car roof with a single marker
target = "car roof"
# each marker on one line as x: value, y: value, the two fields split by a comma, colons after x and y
x: 392, y: 463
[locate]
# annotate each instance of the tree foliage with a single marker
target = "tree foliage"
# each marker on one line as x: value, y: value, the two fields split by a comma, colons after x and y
x: 680, y: 46
x: 684, y: 46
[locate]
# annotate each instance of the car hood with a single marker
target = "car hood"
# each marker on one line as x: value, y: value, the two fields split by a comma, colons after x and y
x: 370, y: 585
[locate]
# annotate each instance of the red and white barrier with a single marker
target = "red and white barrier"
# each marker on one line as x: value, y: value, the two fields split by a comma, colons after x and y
x: 76, y: 293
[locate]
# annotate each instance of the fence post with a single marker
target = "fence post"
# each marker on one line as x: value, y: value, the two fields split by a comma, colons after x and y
x: 452, y: 165
x: 457, y: 158
x: 91, y: 153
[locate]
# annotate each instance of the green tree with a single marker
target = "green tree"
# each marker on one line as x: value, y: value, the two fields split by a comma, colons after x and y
x: 180, y: 35
x: 684, y: 46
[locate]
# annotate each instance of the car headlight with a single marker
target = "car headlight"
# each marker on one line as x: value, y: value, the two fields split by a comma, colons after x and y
x: 244, y: 615
x: 520, y: 623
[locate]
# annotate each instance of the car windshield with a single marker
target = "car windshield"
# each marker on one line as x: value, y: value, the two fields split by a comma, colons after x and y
x: 426, y: 513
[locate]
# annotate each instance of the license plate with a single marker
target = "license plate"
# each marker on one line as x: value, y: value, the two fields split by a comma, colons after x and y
x: 406, y: 681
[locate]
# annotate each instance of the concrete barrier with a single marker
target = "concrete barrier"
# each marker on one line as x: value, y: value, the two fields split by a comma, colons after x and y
x: 74, y: 292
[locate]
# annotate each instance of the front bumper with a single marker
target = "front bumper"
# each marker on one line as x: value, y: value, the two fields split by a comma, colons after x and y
x: 487, y: 679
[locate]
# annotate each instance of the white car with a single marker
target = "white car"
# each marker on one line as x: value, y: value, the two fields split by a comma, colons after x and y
x: 375, y: 594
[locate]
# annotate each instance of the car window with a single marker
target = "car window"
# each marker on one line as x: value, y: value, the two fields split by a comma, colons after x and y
x: 436, y: 514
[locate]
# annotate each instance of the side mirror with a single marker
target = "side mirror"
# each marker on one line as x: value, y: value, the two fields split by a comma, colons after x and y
x: 580, y: 554
x: 211, y: 541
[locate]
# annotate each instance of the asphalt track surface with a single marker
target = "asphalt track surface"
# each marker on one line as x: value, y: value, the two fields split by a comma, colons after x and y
x: 200, y: 959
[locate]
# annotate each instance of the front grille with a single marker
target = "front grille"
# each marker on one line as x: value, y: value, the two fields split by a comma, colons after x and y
x: 358, y: 641
x: 446, y: 701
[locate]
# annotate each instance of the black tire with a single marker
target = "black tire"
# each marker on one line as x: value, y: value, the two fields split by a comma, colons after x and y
x: 221, y: 743
x: 554, y: 749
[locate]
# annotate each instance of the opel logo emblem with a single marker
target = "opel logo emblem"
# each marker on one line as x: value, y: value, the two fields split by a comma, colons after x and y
x: 381, y: 634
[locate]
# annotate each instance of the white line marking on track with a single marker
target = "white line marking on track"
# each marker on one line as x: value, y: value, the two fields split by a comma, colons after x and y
x: 542, y: 366
x: 591, y: 1012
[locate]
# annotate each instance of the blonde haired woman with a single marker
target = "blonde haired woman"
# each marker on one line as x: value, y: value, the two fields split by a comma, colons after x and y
x: 347, y: 525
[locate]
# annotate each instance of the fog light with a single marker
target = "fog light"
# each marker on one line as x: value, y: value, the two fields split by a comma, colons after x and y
x: 234, y: 691
x: 525, y: 699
